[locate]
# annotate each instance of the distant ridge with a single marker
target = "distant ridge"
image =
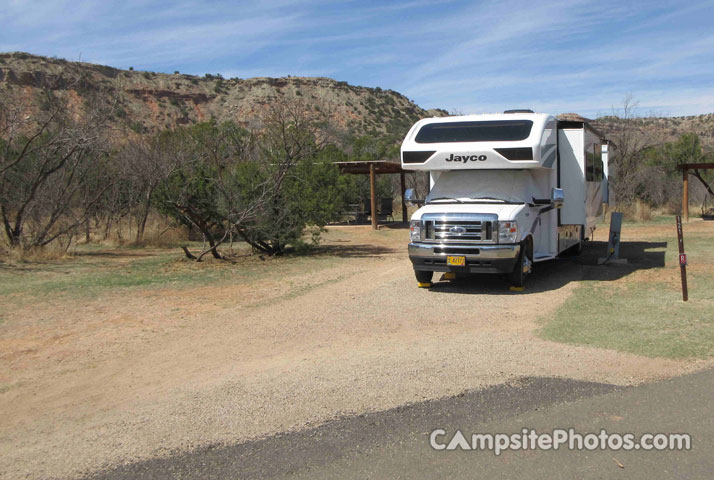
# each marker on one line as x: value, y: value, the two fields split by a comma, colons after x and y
x: 149, y: 102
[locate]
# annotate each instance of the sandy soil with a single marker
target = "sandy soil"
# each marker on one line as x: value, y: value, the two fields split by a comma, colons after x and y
x: 139, y: 374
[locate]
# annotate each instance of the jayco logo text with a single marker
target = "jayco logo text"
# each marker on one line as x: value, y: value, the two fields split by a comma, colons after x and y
x: 464, y: 159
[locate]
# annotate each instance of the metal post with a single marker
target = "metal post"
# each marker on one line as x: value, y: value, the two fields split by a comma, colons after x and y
x: 373, y: 195
x: 682, y: 259
x: 613, y: 243
x: 403, y: 184
x: 685, y: 195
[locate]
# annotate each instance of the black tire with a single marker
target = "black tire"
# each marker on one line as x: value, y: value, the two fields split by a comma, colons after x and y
x: 423, y: 277
x: 518, y: 276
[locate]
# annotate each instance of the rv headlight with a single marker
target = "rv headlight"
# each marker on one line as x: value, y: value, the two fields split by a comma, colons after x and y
x: 507, y: 232
x: 415, y: 230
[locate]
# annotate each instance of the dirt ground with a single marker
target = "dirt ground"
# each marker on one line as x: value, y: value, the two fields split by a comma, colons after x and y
x: 135, y: 373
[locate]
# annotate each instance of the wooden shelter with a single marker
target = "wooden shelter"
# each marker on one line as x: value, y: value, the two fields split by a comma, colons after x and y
x: 374, y: 168
x: 685, y: 167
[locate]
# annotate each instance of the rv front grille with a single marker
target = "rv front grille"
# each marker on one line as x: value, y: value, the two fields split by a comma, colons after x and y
x: 454, y: 231
x: 456, y: 250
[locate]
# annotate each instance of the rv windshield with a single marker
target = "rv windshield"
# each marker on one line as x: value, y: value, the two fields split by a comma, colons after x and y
x: 492, y: 131
x: 509, y: 186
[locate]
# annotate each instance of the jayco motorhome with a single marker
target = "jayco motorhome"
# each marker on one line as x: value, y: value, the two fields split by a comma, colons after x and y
x: 507, y: 191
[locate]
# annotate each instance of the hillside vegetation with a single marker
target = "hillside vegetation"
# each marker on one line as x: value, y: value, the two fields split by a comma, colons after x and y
x: 663, y: 129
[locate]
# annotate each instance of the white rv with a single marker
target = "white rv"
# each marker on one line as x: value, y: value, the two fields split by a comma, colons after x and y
x: 507, y: 191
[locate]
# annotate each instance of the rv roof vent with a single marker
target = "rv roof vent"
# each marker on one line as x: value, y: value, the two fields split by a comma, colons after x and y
x: 519, y: 110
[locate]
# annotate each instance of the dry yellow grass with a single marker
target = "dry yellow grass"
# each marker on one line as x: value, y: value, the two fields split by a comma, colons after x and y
x: 15, y: 255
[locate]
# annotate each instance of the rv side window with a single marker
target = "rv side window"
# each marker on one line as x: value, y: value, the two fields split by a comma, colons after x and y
x: 593, y: 164
x: 597, y: 155
x: 493, y: 131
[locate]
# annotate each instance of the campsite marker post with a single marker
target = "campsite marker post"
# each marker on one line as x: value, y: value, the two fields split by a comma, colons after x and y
x: 682, y: 259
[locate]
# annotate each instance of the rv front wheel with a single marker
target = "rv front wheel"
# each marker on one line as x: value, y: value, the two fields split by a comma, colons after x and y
x: 523, y: 266
x: 423, y: 277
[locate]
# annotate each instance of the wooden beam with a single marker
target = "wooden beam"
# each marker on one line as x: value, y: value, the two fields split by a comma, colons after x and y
x: 358, y: 168
x: 685, y: 195
x: 693, y: 166
x: 373, y: 195
x: 403, y: 185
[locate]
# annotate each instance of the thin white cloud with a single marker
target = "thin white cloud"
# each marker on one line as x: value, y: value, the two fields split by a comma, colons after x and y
x: 473, y: 56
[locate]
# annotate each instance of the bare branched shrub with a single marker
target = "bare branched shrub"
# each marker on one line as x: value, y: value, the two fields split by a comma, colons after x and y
x: 638, y: 211
x: 645, y: 165
x: 144, y: 163
x: 51, y: 166
x: 630, y: 142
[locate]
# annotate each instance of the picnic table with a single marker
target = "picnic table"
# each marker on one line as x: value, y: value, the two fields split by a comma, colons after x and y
x: 361, y: 212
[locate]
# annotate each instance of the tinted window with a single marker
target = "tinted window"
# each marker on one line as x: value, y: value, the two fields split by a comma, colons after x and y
x: 494, y: 131
x: 593, y: 164
x: 598, y: 162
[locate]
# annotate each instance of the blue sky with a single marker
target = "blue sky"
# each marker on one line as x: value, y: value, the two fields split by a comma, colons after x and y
x: 471, y: 57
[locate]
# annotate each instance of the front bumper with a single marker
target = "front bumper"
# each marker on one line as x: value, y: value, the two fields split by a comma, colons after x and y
x: 479, y: 258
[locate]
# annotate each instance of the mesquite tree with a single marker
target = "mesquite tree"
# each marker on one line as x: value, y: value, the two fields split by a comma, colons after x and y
x: 305, y: 189
x: 203, y: 191
x: 264, y: 187
x: 143, y: 164
x: 51, y: 175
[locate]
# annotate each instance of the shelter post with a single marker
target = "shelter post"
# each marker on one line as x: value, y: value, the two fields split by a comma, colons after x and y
x: 685, y: 195
x: 373, y: 196
x: 402, y: 184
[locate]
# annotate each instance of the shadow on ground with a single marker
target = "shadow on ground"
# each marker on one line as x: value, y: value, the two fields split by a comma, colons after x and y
x: 122, y: 253
x: 355, y: 251
x: 395, y: 225
x: 554, y: 274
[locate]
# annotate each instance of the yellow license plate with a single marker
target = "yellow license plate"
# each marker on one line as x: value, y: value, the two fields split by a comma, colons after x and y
x: 456, y: 261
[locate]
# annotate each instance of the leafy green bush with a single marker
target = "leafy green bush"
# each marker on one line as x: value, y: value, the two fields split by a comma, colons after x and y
x: 266, y: 188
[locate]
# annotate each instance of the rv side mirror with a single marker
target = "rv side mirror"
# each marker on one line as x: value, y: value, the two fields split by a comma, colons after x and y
x: 410, y: 197
x: 557, y: 196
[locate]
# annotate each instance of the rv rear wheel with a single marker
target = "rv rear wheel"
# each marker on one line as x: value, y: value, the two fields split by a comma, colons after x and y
x: 523, y: 266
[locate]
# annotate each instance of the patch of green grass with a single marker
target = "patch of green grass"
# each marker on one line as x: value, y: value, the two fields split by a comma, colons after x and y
x: 645, y: 317
x: 89, y: 275
x: 95, y: 270
x: 92, y: 272
x: 655, y: 220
